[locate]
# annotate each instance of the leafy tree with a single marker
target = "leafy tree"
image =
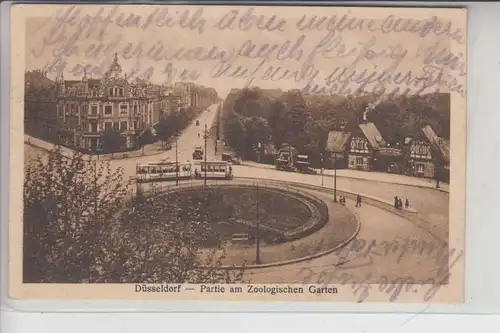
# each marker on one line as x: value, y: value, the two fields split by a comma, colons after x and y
x: 68, y: 202
x: 111, y: 141
x: 235, y: 134
x: 297, y: 116
x: 162, y: 243
x: 78, y: 229
x: 145, y: 138
x: 257, y: 131
x: 276, y: 118
x: 304, y: 120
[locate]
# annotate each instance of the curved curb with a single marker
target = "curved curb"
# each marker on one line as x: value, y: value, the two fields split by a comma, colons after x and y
x: 339, y: 190
x: 302, y: 259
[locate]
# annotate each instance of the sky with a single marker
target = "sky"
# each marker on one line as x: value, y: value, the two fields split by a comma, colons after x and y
x: 233, y: 47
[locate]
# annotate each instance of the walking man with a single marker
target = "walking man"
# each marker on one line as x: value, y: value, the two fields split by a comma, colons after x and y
x: 358, y: 201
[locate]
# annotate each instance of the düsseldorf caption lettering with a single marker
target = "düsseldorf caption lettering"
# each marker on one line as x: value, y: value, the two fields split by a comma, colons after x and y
x: 162, y: 288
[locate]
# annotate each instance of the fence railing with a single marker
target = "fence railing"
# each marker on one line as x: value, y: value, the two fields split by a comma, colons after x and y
x: 319, y: 210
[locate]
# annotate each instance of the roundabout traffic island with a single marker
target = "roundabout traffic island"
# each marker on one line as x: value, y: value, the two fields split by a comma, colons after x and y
x: 290, y: 224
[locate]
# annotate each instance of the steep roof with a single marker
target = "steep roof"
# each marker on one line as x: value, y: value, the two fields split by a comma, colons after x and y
x: 373, y: 136
x: 439, y: 144
x: 337, y: 141
x: 36, y: 79
x: 38, y: 87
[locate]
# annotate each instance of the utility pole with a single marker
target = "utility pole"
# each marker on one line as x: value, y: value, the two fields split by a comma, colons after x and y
x: 205, y: 136
x: 334, y: 177
x: 176, y: 162
x: 95, y: 187
x: 321, y: 169
x: 257, y: 232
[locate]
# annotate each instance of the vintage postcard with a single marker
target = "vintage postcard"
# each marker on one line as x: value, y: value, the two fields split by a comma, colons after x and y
x: 238, y: 153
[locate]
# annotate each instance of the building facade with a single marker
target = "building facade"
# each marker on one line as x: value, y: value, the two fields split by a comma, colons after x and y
x: 419, y: 158
x: 88, y: 107
x: 337, y: 148
x: 40, y: 106
x: 363, y: 143
x: 427, y: 155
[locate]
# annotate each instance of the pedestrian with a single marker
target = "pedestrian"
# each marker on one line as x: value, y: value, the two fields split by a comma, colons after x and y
x: 400, y: 203
x: 396, y: 201
x: 358, y: 201
x: 407, y: 203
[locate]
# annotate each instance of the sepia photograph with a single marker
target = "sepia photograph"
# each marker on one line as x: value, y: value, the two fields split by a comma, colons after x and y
x: 238, y: 153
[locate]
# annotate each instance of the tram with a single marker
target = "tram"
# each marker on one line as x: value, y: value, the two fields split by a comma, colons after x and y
x: 214, y: 170
x: 156, y: 171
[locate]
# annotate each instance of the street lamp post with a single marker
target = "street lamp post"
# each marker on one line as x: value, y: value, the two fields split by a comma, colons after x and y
x: 205, y: 135
x: 321, y: 169
x: 334, y: 177
x: 176, y: 163
x: 436, y: 172
x: 95, y: 186
x: 257, y: 232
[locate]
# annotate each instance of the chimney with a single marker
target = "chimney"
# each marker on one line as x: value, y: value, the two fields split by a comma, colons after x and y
x: 84, y: 78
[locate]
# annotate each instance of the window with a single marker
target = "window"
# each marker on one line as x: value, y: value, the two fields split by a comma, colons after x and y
x: 93, y: 128
x: 123, y: 126
x: 135, y: 109
x: 108, y: 110
x: 93, y: 110
x: 420, y: 167
x: 359, y: 161
x: 136, y: 124
x: 110, y: 92
x: 121, y: 92
x: 108, y: 125
x: 123, y: 109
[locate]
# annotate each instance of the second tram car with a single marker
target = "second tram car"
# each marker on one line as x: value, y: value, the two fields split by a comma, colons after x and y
x: 213, y: 170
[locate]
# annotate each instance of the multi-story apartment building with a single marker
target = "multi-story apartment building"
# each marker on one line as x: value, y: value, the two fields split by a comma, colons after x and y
x: 40, y: 105
x: 88, y: 107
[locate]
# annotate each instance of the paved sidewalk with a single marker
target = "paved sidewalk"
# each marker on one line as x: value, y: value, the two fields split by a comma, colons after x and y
x: 149, y: 150
x: 369, y: 175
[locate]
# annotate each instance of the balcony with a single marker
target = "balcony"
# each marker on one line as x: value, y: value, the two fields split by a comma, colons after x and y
x: 92, y: 134
x: 93, y: 116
